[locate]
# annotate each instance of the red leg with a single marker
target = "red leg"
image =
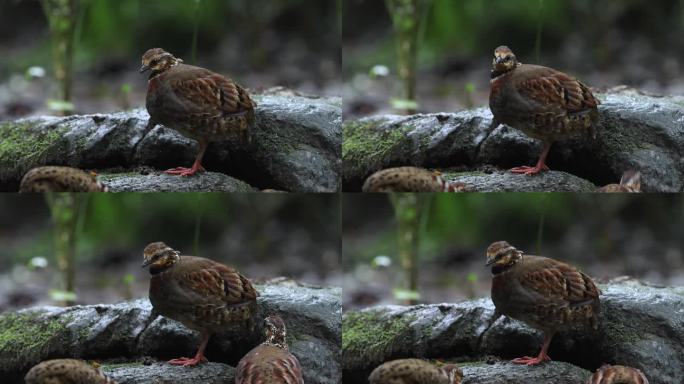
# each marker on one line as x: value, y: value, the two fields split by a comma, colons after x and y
x: 196, y: 166
x: 525, y: 170
x: 199, y: 357
x: 543, y: 356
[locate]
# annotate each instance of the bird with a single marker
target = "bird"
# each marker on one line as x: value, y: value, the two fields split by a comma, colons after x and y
x: 542, y: 102
x: 630, y: 183
x: 544, y: 293
x: 270, y: 362
x: 617, y: 374
x: 200, y: 293
x: 66, y: 371
x: 415, y: 371
x: 198, y: 103
x: 410, y: 179
x: 59, y: 179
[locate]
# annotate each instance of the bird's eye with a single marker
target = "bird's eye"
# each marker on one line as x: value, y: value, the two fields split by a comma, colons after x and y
x: 507, y: 58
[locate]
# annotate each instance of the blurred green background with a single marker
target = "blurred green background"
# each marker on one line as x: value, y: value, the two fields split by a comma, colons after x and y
x: 606, y: 236
x: 263, y: 235
x: 260, y: 43
x: 605, y: 43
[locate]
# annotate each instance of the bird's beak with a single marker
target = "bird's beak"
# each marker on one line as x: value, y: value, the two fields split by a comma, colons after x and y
x: 146, y: 262
x: 497, y: 59
x: 490, y: 261
x: 144, y: 68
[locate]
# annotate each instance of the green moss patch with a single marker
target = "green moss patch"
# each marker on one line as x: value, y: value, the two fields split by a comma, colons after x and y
x: 365, y: 337
x: 23, y: 146
x: 112, y: 367
x: 364, y: 143
x: 23, y: 337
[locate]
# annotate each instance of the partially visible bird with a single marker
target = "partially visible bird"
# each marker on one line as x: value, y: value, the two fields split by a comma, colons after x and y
x: 198, y: 103
x: 66, y: 371
x: 630, y: 182
x: 270, y: 362
x: 546, y: 294
x: 617, y: 374
x: 60, y: 179
x: 542, y: 102
x: 415, y: 371
x: 202, y: 294
x: 410, y: 179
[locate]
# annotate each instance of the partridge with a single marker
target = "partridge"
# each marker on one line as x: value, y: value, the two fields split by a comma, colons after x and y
x: 202, y: 294
x: 66, y: 371
x: 543, y: 103
x: 617, y: 374
x: 198, y: 103
x: 415, y: 371
x: 630, y: 182
x: 546, y: 294
x: 59, y: 179
x: 270, y: 362
x: 409, y: 179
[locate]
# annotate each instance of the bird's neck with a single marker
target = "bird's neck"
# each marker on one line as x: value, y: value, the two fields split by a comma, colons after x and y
x: 276, y: 341
x: 512, y: 261
x: 170, y: 64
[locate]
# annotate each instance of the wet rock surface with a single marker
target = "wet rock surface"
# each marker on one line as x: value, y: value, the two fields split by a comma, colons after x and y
x: 635, y: 131
x: 161, y: 182
x: 508, y: 182
x: 641, y: 326
x: 130, y: 330
x: 160, y: 372
x: 295, y: 145
x: 506, y: 373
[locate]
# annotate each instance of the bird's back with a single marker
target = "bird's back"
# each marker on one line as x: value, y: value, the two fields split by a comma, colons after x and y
x: 268, y: 364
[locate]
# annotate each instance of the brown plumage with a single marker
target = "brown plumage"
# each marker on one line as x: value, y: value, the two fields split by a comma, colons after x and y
x: 270, y: 362
x: 546, y: 294
x: 542, y: 102
x: 629, y: 183
x: 617, y: 374
x: 409, y: 179
x: 203, y: 294
x: 198, y: 103
x: 66, y: 371
x: 415, y: 371
x: 59, y: 179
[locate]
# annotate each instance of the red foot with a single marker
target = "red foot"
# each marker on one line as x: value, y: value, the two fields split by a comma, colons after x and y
x: 525, y: 170
x: 532, y: 360
x: 182, y: 171
x: 188, y: 362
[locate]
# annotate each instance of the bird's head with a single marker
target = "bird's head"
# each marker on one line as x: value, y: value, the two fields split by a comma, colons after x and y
x: 504, y: 61
x: 454, y: 373
x: 502, y: 254
x: 158, y: 60
x: 275, y: 331
x: 159, y: 256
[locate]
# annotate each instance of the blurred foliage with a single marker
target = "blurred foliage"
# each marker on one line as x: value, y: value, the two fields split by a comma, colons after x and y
x: 124, y: 28
x: 476, y: 27
x: 67, y: 210
x: 408, y: 17
x: 532, y: 221
x: 410, y: 211
x: 62, y: 18
x: 115, y: 224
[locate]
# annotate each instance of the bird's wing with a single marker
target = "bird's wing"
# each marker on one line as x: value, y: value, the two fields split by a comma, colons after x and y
x: 201, y: 91
x: 558, y: 281
x: 217, y: 282
x: 556, y: 90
